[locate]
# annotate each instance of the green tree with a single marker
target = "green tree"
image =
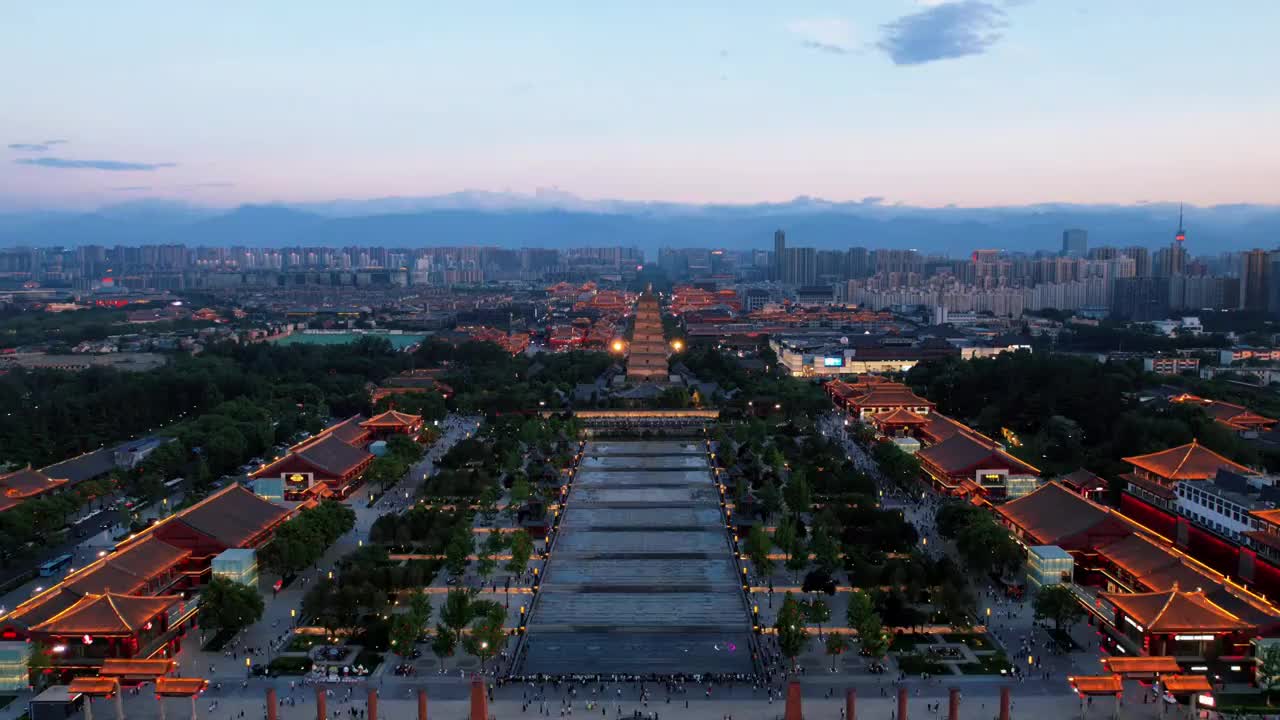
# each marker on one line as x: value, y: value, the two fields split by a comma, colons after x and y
x: 420, y: 607
x: 770, y: 499
x: 444, y: 643
x: 790, y: 627
x: 873, y: 638
x: 493, y: 543
x: 825, y: 551
x: 457, y: 610
x: 488, y: 502
x: 860, y: 608
x: 758, y: 547
x: 798, y: 493
x: 229, y: 606
x: 835, y: 645
x: 520, y: 492
x: 458, y: 552
x: 405, y: 629
x: 1059, y: 604
x: 817, y: 612
x: 486, y: 639
x: 521, y: 551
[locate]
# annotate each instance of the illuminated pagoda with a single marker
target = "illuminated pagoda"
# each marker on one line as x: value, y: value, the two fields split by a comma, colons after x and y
x: 393, y: 423
x: 647, y: 359
x: 886, y: 398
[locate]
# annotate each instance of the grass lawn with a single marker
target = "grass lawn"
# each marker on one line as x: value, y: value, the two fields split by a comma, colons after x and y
x: 907, y: 642
x: 975, y: 641
x: 290, y: 665
x: 986, y: 665
x: 913, y: 664
x: 303, y: 643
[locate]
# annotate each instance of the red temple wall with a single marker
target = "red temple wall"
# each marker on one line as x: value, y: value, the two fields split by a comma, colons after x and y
x: 1159, y: 521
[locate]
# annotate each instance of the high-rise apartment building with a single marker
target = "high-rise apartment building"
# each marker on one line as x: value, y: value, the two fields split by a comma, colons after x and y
x: 779, y: 254
x: 1256, y: 277
x: 1075, y: 242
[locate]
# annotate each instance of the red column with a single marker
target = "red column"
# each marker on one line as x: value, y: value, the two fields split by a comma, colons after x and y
x: 372, y: 707
x: 1004, y: 703
x: 793, y: 711
x: 272, y: 704
x: 422, y: 704
x: 479, y: 701
x: 953, y: 710
x: 902, y: 703
x: 851, y: 704
x: 322, y: 707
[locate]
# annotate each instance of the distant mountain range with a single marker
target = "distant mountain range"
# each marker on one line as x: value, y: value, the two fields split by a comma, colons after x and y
x: 551, y: 218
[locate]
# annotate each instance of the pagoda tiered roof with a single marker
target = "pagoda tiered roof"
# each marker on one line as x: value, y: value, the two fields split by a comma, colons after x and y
x: 107, y: 614
x: 963, y: 452
x: 1053, y: 515
x: 1236, y: 417
x: 1192, y: 461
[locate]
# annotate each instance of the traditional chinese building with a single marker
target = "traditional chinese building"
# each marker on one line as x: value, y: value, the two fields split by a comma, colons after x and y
x: 327, y: 465
x: 1155, y: 475
x: 899, y: 423
x: 1183, y: 624
x: 886, y: 398
x: 393, y: 423
x: 137, y: 602
x: 25, y: 484
x: 647, y: 356
x: 1234, y: 417
x: 971, y: 465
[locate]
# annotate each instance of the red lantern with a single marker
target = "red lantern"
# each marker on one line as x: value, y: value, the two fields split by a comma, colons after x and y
x: 88, y: 640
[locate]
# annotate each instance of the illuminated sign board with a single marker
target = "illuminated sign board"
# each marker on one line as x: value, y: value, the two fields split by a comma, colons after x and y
x: 833, y: 362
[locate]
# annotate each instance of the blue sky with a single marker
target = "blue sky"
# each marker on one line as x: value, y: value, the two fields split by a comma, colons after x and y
x: 929, y: 103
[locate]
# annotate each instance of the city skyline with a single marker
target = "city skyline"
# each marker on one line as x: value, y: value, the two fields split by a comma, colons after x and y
x: 921, y: 103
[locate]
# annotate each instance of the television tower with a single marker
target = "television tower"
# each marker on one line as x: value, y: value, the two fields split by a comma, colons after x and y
x: 1182, y: 234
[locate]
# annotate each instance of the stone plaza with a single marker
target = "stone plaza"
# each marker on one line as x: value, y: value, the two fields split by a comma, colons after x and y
x: 642, y: 578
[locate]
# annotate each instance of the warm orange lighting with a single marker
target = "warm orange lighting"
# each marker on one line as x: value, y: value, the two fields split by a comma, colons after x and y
x: 618, y: 346
x: 677, y: 345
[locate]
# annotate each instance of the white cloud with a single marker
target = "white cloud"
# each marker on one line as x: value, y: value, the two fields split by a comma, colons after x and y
x: 832, y: 35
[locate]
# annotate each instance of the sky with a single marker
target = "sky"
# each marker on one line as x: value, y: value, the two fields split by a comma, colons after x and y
x: 920, y: 102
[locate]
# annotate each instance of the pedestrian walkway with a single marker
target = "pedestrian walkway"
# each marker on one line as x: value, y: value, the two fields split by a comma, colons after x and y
x: 642, y: 577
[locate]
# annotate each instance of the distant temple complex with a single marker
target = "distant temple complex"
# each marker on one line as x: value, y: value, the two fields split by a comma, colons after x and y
x: 647, y: 361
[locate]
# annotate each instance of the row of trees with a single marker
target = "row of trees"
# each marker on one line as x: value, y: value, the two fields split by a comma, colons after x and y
x: 303, y: 540
x: 402, y: 452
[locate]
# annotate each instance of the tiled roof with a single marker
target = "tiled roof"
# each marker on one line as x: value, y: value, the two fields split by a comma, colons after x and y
x: 1154, y: 565
x: 1096, y: 684
x: 1141, y: 664
x: 93, y: 686
x: 1186, y: 683
x: 1174, y: 611
x: 27, y: 483
x: 899, y: 416
x: 391, y: 418
x: 1192, y: 461
x: 106, y: 614
x: 348, y: 431
x: 1083, y: 479
x: 233, y: 516
x: 83, y: 467
x: 941, y: 427
x: 180, y: 687
x: 332, y: 455
x: 1052, y: 514
x: 884, y: 396
x: 962, y: 452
